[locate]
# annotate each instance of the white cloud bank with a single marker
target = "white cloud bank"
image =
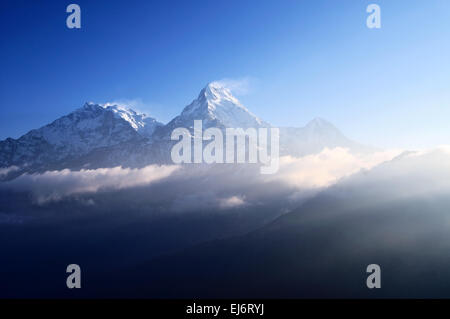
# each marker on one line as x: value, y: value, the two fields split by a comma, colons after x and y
x: 220, y: 186
x: 327, y: 167
x: 6, y: 170
x: 55, y: 185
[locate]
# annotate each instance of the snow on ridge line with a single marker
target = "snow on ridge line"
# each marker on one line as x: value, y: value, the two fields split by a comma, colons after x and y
x: 138, y: 121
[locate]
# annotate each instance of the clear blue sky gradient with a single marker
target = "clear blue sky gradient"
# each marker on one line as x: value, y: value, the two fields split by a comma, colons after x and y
x: 304, y: 59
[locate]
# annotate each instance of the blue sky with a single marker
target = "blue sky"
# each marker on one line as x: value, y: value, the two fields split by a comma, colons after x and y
x: 387, y: 87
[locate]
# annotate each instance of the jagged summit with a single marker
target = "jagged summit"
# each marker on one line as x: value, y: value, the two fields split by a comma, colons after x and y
x: 215, y: 93
x: 89, y: 106
x: 141, y: 122
x: 216, y: 105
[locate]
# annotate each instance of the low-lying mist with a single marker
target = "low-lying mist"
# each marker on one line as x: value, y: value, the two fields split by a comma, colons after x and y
x: 395, y: 215
x: 312, y: 227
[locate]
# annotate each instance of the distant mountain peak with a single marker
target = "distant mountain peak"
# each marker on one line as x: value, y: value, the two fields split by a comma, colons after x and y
x: 93, y: 126
x: 319, y: 122
x: 212, y: 95
x: 215, y: 93
x: 216, y: 103
x: 140, y: 122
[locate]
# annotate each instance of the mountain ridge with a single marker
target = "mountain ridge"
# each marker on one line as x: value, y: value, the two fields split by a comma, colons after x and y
x: 109, y: 135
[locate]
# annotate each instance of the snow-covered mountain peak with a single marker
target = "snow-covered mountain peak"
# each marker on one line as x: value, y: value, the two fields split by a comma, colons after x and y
x: 90, y: 106
x: 136, y: 120
x: 140, y: 122
x: 215, y: 93
x: 216, y: 103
